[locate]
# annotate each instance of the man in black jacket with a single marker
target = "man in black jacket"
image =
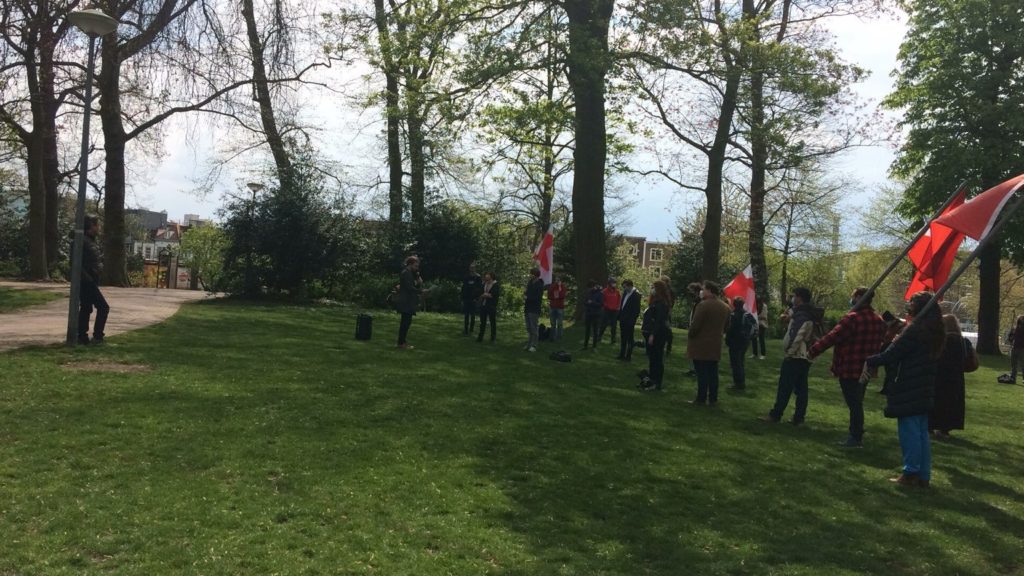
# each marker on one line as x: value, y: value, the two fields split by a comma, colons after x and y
x: 629, y: 311
x: 90, y: 295
x: 472, y: 288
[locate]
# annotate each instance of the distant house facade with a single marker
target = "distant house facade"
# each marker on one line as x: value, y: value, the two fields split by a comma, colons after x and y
x: 160, y: 247
x: 650, y: 255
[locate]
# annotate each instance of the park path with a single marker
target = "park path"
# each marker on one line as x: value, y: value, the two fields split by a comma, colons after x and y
x: 130, y: 309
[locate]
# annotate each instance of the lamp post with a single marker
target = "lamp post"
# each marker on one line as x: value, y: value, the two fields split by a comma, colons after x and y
x: 250, y: 279
x: 95, y: 24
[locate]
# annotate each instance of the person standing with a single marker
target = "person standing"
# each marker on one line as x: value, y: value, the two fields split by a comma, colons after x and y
x: 656, y: 327
x: 557, y: 293
x: 858, y: 335
x: 611, y: 299
x: 592, y: 307
x: 472, y: 287
x: 410, y: 286
x: 531, y: 309
x: 89, y: 287
x: 489, y: 296
x: 737, y: 336
x: 704, y: 342
x: 1016, y: 338
x: 795, y: 364
x: 629, y: 311
x: 911, y: 394
x: 757, y: 343
x: 950, y: 395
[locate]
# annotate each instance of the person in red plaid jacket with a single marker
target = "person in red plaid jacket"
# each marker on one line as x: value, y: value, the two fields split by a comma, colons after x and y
x: 858, y: 335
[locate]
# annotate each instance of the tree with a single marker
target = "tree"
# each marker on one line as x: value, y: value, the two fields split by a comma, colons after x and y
x: 202, y: 250
x: 961, y: 65
x: 589, y: 60
x: 33, y: 41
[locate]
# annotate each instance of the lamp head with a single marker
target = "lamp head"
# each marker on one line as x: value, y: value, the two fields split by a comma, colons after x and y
x: 93, y: 22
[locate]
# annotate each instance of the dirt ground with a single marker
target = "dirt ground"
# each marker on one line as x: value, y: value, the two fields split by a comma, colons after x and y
x: 130, y: 309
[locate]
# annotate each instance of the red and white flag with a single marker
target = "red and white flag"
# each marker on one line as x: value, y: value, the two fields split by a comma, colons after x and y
x: 545, y: 256
x: 933, y: 253
x: 743, y: 286
x: 977, y: 216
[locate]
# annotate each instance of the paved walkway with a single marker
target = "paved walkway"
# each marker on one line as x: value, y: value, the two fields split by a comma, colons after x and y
x: 130, y: 309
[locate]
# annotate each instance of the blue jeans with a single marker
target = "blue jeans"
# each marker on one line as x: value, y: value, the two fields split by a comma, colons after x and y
x: 792, y: 378
x: 917, y: 449
x: 557, y: 316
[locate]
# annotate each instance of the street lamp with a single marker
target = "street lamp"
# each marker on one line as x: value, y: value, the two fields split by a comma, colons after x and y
x: 95, y: 24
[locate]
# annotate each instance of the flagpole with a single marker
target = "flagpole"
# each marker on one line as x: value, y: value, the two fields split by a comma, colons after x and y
x: 920, y: 233
x: 1003, y: 221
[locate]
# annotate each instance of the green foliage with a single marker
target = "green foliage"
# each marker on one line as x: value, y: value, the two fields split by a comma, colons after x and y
x: 959, y: 88
x: 202, y: 250
x: 13, y: 234
x: 294, y: 241
x: 447, y: 241
x: 285, y: 446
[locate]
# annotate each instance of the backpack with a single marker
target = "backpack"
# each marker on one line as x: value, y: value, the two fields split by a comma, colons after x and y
x: 561, y: 356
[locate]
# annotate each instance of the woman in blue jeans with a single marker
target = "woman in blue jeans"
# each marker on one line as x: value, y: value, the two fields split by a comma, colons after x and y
x: 913, y: 357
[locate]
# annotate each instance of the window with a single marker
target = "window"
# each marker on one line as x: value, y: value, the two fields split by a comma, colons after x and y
x: 148, y: 252
x: 656, y: 270
x: 633, y: 250
x: 656, y: 254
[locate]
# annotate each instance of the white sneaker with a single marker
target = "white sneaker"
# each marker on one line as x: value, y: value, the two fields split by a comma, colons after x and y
x: 761, y: 358
x: 531, y: 349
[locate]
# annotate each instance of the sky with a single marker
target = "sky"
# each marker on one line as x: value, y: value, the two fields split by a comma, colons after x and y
x: 169, y: 184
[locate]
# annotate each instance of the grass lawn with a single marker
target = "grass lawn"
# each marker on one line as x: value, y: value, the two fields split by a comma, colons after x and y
x: 266, y: 440
x: 12, y: 299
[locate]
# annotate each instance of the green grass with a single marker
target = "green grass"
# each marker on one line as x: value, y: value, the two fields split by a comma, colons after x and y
x: 266, y: 440
x: 12, y: 299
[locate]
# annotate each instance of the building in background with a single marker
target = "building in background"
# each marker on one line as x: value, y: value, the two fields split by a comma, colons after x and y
x: 159, y: 247
x: 649, y: 254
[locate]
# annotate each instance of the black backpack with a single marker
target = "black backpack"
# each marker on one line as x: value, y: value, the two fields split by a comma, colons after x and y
x: 561, y: 356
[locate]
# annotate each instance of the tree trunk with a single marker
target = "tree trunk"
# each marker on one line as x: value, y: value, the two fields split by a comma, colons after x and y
x: 37, y: 252
x: 988, y: 298
x: 114, y: 231
x: 588, y: 66
x: 261, y: 91
x: 392, y: 114
x: 37, y: 269
x: 711, y: 236
x: 758, y: 170
x: 417, y: 161
x: 50, y: 162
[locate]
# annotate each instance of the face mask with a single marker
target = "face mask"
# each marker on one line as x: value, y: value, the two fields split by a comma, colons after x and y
x: 792, y: 302
x: 701, y: 294
x: 853, y: 302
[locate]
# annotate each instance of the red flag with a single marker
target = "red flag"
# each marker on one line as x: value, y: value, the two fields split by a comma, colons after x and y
x: 545, y: 256
x: 743, y: 286
x: 976, y: 217
x: 933, y: 253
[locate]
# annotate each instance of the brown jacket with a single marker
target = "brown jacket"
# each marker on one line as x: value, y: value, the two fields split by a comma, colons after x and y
x: 704, y: 340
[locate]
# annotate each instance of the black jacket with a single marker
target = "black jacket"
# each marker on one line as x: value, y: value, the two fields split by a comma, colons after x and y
x: 629, y: 309
x: 594, y: 302
x: 488, y: 304
x: 92, y: 260
x: 534, y: 295
x: 409, y: 287
x: 472, y: 287
x: 912, y: 391
x: 741, y: 323
x: 656, y: 320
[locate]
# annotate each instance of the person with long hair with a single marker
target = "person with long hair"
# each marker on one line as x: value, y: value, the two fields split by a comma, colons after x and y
x: 948, y: 412
x: 911, y: 394
x: 656, y: 327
